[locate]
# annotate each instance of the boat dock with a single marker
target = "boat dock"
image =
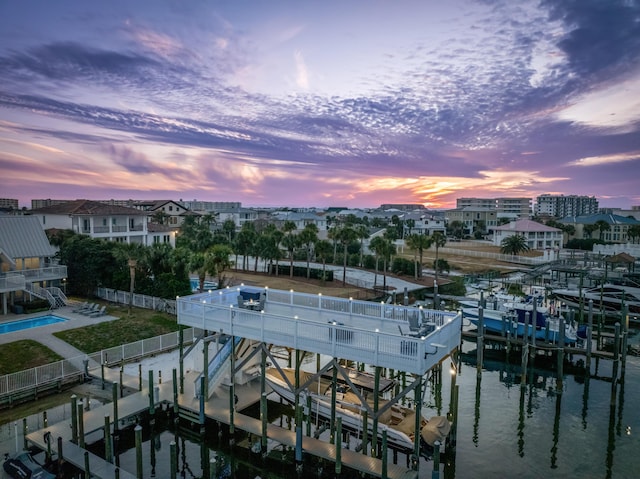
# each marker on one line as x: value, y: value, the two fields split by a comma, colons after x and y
x: 401, y: 338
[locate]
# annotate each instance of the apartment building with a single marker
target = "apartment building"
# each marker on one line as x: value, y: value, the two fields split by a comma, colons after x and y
x: 560, y: 206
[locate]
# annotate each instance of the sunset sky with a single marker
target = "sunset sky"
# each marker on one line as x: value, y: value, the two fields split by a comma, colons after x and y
x: 306, y: 103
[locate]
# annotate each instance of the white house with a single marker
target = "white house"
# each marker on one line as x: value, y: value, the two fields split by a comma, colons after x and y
x: 538, y: 236
x: 98, y: 220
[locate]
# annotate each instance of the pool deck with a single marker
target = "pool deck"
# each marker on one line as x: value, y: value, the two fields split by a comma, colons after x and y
x: 44, y: 334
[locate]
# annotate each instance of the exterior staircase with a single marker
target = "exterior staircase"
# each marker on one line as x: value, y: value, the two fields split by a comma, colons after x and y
x: 54, y: 295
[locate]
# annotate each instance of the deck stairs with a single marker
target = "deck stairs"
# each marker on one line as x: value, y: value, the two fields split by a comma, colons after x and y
x: 53, y: 294
x: 218, y: 367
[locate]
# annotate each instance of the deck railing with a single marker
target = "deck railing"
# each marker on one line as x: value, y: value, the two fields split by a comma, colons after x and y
x: 343, y: 328
x: 139, y: 300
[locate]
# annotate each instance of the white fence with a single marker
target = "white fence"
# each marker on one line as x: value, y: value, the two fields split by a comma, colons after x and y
x: 66, y: 370
x: 139, y: 300
x: 506, y: 258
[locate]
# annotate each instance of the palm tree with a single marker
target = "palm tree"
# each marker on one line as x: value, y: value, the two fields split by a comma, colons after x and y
x: 438, y: 240
x: 383, y: 248
x: 633, y: 232
x: 308, y: 237
x: 217, y: 261
x: 418, y: 243
x: 289, y: 242
x: 323, y: 249
x: 602, y: 226
x: 589, y: 229
x: 514, y: 244
x: 345, y: 235
x: 363, y: 233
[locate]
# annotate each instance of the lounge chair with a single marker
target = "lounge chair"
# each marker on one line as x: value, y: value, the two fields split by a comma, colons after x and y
x: 98, y: 313
x: 94, y: 307
x: 82, y: 307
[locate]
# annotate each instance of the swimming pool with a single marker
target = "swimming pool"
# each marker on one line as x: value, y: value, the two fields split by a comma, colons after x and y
x: 21, y: 324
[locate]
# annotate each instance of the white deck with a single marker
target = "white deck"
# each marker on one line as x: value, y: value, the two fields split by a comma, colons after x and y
x: 373, y: 333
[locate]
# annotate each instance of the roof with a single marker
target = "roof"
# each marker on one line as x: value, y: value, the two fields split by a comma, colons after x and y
x: 607, y: 218
x: 526, y: 226
x: 87, y: 208
x: 621, y: 258
x: 23, y: 237
x: 157, y: 204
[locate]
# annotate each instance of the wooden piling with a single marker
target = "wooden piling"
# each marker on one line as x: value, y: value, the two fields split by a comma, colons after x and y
x: 87, y: 468
x: 385, y: 456
x: 114, y: 400
x: 338, y: 445
x: 81, y: 427
x: 152, y: 406
x: 205, y: 366
x: 174, y: 458
x: 181, y: 361
x: 138, y: 438
x: 480, y: 341
x: 108, y: 456
x: 74, y: 419
x: 589, y: 336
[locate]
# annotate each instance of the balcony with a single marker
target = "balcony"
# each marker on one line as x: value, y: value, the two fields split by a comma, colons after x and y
x: 17, y: 279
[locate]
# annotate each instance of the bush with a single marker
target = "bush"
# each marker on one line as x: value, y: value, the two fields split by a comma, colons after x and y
x: 33, y: 306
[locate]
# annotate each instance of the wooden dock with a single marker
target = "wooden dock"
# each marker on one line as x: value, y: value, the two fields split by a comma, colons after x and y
x: 216, y: 409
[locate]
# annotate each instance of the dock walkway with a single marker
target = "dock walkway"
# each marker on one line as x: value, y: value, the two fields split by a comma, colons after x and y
x: 216, y: 409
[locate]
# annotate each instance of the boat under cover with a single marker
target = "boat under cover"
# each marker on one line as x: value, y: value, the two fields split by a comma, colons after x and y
x: 399, y: 421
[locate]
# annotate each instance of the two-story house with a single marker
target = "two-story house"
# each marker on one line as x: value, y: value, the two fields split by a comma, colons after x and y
x: 27, y: 264
x: 538, y: 236
x: 96, y: 219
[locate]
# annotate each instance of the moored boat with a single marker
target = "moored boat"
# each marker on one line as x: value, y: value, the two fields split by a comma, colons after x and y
x: 399, y: 421
x: 606, y: 297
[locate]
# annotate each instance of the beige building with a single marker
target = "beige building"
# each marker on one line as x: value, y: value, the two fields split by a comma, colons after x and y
x: 474, y: 218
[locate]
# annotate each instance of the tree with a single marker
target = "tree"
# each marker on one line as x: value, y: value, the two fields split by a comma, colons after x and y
x: 308, y: 237
x: 588, y: 230
x: 441, y: 265
x: 514, y: 244
x: 345, y: 235
x: 602, y: 226
x: 418, y: 243
x: 438, y: 240
x: 218, y: 256
x: 456, y: 229
x: 633, y: 233
x: 384, y: 248
x: 160, y: 217
x: 323, y: 249
x: 229, y: 229
x: 363, y: 233
x: 290, y: 242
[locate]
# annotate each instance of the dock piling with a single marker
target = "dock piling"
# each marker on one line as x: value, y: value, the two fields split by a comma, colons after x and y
x: 107, y: 439
x: 81, y: 426
x: 138, y: 436
x: 74, y: 419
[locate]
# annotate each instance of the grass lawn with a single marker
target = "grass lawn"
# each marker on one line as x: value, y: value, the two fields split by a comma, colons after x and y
x: 141, y: 324
x: 25, y: 354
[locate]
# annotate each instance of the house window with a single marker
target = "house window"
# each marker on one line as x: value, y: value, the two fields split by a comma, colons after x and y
x: 170, y: 208
x: 156, y: 239
x: 113, y: 221
x: 44, y: 220
x: 131, y: 224
x: 166, y: 238
x: 104, y: 221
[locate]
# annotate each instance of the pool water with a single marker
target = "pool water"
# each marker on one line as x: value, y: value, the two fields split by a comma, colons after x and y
x: 21, y: 324
x: 195, y: 284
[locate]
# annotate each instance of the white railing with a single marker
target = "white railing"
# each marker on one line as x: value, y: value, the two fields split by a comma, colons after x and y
x: 58, y: 294
x: 139, y: 300
x: 343, y: 328
x: 40, y: 274
x: 13, y: 282
x: 41, y: 293
x: 68, y: 369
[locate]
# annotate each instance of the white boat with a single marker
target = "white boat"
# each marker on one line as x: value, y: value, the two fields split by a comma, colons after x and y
x: 609, y: 297
x: 398, y: 421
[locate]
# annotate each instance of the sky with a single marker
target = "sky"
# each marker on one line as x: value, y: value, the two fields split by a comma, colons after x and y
x: 348, y: 103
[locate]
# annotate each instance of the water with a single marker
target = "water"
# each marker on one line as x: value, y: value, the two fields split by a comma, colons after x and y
x: 506, y: 428
x: 21, y: 324
x: 195, y: 285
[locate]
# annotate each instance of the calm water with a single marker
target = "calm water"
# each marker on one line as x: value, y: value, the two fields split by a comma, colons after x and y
x: 21, y: 324
x: 505, y: 429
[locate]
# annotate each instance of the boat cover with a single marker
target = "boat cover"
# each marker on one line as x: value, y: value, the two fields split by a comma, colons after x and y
x: 436, y: 429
